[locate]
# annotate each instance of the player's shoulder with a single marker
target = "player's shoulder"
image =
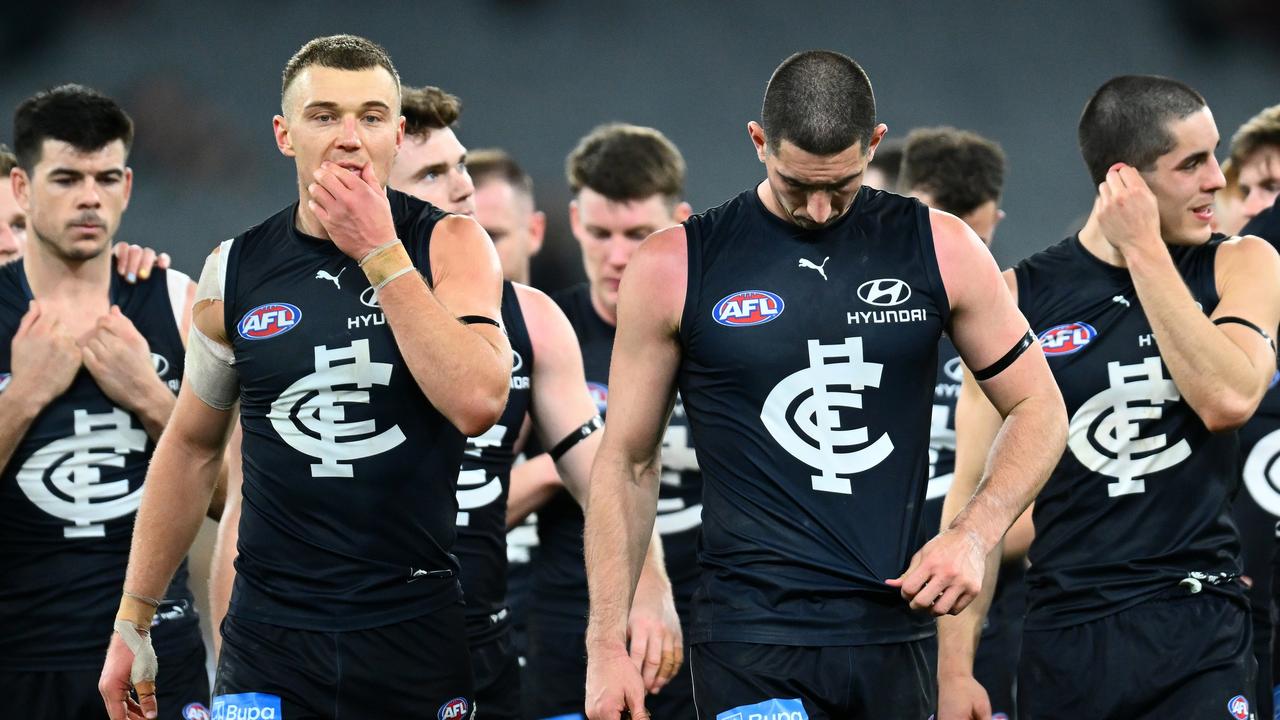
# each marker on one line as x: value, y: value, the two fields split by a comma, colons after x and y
x: 1246, y: 250
x: 548, y: 327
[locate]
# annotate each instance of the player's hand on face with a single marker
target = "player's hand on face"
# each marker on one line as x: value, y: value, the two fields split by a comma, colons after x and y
x: 614, y: 685
x: 134, y: 262
x: 657, y: 644
x: 945, y: 575
x: 352, y: 207
x: 44, y: 356
x: 961, y: 697
x: 1127, y: 209
x: 114, y: 684
x: 119, y: 359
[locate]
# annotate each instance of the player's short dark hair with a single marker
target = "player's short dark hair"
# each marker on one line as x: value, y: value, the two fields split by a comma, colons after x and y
x: 626, y: 162
x: 340, y: 52
x: 888, y: 160
x: 960, y: 170
x: 821, y: 101
x: 79, y: 116
x: 8, y: 161
x: 1258, y: 132
x: 493, y: 164
x: 1127, y: 121
x: 428, y: 108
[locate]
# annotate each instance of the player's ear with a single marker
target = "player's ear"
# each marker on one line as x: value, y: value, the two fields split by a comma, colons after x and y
x: 756, y: 132
x: 280, y: 127
x: 682, y: 212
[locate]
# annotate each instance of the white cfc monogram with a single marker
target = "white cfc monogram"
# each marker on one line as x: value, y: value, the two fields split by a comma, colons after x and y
x: 475, y: 488
x: 64, y: 478
x: 311, y: 414
x: 811, y: 431
x: 1105, y: 434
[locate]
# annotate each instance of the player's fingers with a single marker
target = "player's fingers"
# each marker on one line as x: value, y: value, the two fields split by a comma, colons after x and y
x: 321, y: 214
x: 147, y: 262
x: 163, y: 261
x: 668, y: 664
x: 946, y: 600
x: 322, y: 195
x: 128, y: 267
x: 639, y: 646
x: 652, y: 663
x: 29, y: 317
x: 335, y: 179
x: 635, y: 702
x: 924, y: 597
x: 147, y: 698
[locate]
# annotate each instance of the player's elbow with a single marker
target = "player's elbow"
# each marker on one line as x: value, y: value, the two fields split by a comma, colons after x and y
x: 1227, y: 411
x: 481, y: 410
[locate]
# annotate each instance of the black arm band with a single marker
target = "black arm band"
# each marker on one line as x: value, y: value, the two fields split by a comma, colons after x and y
x: 576, y: 437
x: 479, y: 320
x: 1232, y: 319
x: 1000, y: 365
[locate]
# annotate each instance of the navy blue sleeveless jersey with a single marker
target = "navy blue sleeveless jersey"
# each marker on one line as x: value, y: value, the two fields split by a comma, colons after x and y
x: 68, y: 498
x: 1141, y: 498
x: 807, y: 375
x: 559, y: 595
x: 349, y: 471
x: 483, y: 484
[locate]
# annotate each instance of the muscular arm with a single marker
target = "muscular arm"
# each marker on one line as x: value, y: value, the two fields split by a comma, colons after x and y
x: 985, y: 325
x: 561, y: 404
x: 624, y: 479
x: 18, y: 409
x: 625, y: 476
x: 222, y: 572
x: 180, y: 482
x: 1221, y: 370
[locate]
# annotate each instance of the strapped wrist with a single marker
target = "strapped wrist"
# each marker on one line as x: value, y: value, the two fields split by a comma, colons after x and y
x: 386, y: 263
x: 137, y: 609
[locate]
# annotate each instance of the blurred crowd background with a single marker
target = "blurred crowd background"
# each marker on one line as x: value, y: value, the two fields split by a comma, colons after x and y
x: 202, y: 81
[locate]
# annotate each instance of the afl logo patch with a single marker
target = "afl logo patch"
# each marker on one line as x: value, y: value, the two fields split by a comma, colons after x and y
x: 885, y: 292
x: 600, y: 394
x: 195, y: 711
x: 455, y: 709
x: 1238, y: 706
x: 269, y: 320
x: 747, y: 307
x: 1067, y: 339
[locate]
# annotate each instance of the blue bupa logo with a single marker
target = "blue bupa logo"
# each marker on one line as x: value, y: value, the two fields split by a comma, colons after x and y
x: 748, y: 307
x: 247, y: 706
x: 269, y: 320
x: 455, y: 709
x: 775, y: 709
x: 1067, y: 339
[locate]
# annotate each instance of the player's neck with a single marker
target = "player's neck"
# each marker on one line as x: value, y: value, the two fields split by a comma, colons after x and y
x: 306, y: 221
x: 1097, y: 245
x: 53, y: 276
x: 597, y: 303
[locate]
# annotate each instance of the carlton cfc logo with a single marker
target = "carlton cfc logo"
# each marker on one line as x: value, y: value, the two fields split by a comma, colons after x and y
x: 747, y: 307
x: 269, y: 320
x: 1067, y: 339
x: 455, y: 709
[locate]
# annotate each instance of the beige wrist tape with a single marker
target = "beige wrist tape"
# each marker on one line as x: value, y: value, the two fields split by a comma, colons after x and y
x: 386, y: 263
x: 133, y: 623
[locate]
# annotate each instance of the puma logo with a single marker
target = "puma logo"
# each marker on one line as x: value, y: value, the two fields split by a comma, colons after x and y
x: 809, y: 264
x: 324, y: 275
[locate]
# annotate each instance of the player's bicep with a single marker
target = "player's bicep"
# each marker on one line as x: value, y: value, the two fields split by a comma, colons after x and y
x: 467, y: 277
x: 1249, y: 301
x: 988, y: 330
x: 561, y: 402
x: 646, y: 351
